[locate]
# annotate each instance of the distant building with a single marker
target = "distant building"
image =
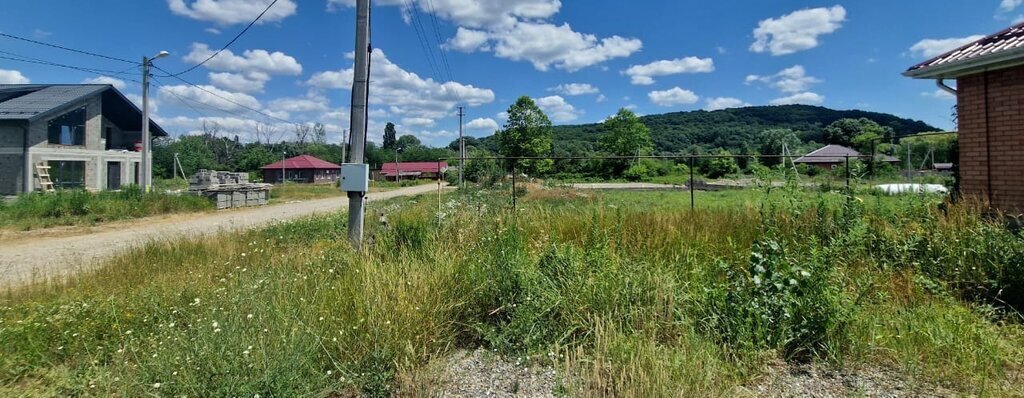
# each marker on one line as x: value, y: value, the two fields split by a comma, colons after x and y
x: 833, y: 156
x: 303, y: 169
x: 83, y: 135
x: 989, y: 77
x: 413, y: 170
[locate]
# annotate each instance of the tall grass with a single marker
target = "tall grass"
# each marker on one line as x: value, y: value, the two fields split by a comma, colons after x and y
x: 71, y: 207
x: 626, y: 299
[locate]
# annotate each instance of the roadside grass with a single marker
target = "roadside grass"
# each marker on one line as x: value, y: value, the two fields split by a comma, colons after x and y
x: 77, y: 207
x: 627, y: 294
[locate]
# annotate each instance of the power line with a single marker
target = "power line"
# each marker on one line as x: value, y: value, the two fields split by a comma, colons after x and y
x: 102, y: 72
x: 67, y: 48
x: 424, y: 44
x: 439, y: 40
x: 258, y: 17
x: 222, y: 97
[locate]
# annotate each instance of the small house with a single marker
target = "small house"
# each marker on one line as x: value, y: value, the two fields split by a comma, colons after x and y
x: 835, y: 156
x: 989, y: 75
x: 413, y: 170
x: 303, y: 169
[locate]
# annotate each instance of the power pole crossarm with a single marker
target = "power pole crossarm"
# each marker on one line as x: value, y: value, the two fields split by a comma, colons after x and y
x: 360, y: 95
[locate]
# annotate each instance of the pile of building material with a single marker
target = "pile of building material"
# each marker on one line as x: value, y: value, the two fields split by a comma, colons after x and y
x: 228, y: 189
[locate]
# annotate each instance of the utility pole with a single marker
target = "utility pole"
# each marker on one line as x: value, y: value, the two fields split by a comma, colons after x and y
x: 284, y: 167
x: 146, y: 168
x: 344, y: 145
x: 360, y: 95
x: 462, y: 147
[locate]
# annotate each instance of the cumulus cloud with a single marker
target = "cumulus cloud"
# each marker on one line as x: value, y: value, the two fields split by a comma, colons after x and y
x: 797, y: 31
x: 939, y: 94
x: 406, y: 93
x: 12, y: 77
x: 263, y: 61
x: 714, y: 104
x: 475, y: 13
x: 418, y: 122
x: 1009, y: 5
x: 930, y: 48
x: 673, y: 97
x: 230, y: 12
x: 790, y: 80
x: 245, y: 83
x: 299, y: 105
x: 644, y: 74
x: 226, y: 12
x: 468, y: 40
x: 573, y: 89
x: 557, y: 109
x: 806, y: 98
x: 482, y: 124
x: 117, y: 83
x: 213, y: 97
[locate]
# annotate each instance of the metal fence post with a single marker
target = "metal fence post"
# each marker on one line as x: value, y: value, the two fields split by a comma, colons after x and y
x: 847, y: 173
x: 691, y: 184
x: 514, y: 161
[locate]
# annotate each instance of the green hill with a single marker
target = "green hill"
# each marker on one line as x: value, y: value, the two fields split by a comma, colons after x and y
x: 734, y: 129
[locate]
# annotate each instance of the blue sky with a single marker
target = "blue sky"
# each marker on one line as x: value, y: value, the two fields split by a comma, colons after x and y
x: 581, y: 60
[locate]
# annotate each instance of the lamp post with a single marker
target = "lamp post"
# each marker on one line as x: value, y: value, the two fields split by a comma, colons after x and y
x: 398, y: 166
x: 284, y: 167
x: 147, y: 167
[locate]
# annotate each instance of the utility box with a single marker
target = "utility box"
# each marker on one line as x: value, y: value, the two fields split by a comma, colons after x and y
x: 355, y: 177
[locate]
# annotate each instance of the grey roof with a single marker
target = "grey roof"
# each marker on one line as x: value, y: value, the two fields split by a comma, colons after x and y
x: 36, y: 101
x: 838, y: 154
x: 999, y: 50
x: 31, y: 102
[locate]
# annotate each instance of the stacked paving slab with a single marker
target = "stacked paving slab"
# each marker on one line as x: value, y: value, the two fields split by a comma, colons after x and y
x: 228, y: 190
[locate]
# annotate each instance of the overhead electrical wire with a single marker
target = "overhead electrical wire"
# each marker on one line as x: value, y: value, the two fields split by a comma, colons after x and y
x: 423, y: 39
x: 31, y: 60
x: 201, y: 88
x: 440, y: 42
x: 225, y: 47
x: 10, y: 36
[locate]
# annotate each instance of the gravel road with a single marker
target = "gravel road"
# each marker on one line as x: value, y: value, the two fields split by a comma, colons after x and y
x: 24, y: 260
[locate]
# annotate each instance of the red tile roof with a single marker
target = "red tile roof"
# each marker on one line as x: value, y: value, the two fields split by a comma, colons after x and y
x: 303, y: 162
x: 1006, y: 46
x: 409, y: 168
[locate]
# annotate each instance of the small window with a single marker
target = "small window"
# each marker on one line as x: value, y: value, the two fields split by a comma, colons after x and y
x: 68, y: 129
x: 67, y: 174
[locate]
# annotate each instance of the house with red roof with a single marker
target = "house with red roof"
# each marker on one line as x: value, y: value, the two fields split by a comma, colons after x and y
x: 413, y: 170
x: 303, y: 169
x: 989, y: 75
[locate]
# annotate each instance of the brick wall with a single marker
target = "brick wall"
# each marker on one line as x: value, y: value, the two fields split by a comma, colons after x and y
x: 991, y: 111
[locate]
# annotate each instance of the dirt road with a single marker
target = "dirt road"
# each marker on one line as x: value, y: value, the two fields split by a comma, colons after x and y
x: 24, y: 260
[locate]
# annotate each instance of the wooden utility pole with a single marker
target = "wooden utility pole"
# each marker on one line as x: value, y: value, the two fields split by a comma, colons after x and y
x: 360, y: 96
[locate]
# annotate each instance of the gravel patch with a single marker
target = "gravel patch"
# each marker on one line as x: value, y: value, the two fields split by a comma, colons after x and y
x: 810, y: 380
x: 483, y: 374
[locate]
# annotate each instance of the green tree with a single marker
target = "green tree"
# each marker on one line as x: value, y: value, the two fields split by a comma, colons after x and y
x: 389, y: 136
x: 624, y: 135
x: 255, y: 156
x: 406, y: 142
x: 527, y: 134
x: 773, y: 141
x: 846, y: 132
x: 722, y: 166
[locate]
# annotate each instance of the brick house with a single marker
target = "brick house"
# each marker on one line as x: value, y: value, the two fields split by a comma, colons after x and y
x: 88, y: 134
x: 989, y: 76
x: 302, y: 169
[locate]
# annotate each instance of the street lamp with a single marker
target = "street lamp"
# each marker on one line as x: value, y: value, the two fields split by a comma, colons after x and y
x: 147, y: 141
x: 284, y: 167
x: 398, y: 166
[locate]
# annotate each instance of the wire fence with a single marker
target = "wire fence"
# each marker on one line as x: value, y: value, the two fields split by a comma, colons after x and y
x: 705, y: 172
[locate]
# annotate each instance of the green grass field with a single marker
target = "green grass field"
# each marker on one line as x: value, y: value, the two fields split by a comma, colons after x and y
x: 77, y: 207
x: 625, y: 293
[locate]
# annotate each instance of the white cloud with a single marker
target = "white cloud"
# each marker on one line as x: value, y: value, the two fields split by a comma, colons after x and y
x: 271, y: 63
x: 930, y: 48
x: 117, y: 83
x: 939, y: 94
x: 714, y: 104
x: 154, y: 104
x: 483, y: 124
x: 245, y: 83
x: 476, y: 13
x: 468, y: 40
x: 1009, y: 5
x: 12, y: 77
x: 418, y: 122
x: 600, y: 98
x: 644, y: 74
x: 557, y: 109
x: 673, y: 97
x: 406, y: 93
x: 806, y: 98
x: 575, y: 89
x: 299, y: 105
x: 230, y: 12
x: 545, y: 45
x: 790, y: 80
x: 208, y: 97
x: 797, y: 31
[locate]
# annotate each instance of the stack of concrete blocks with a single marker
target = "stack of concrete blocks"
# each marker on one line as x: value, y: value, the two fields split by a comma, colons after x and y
x: 229, y: 190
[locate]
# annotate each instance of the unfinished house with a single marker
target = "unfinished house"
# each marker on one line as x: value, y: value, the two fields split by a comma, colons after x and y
x: 84, y: 136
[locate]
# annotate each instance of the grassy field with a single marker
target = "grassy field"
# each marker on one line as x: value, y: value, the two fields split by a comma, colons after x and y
x: 626, y: 294
x: 77, y: 207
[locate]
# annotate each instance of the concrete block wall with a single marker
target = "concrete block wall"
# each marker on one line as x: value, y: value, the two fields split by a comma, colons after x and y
x: 991, y: 112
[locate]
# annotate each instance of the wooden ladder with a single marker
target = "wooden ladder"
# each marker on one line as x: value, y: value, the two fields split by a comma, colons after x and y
x: 43, y: 174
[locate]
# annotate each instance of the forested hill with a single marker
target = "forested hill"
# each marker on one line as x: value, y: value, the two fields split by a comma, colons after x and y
x: 735, y: 129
